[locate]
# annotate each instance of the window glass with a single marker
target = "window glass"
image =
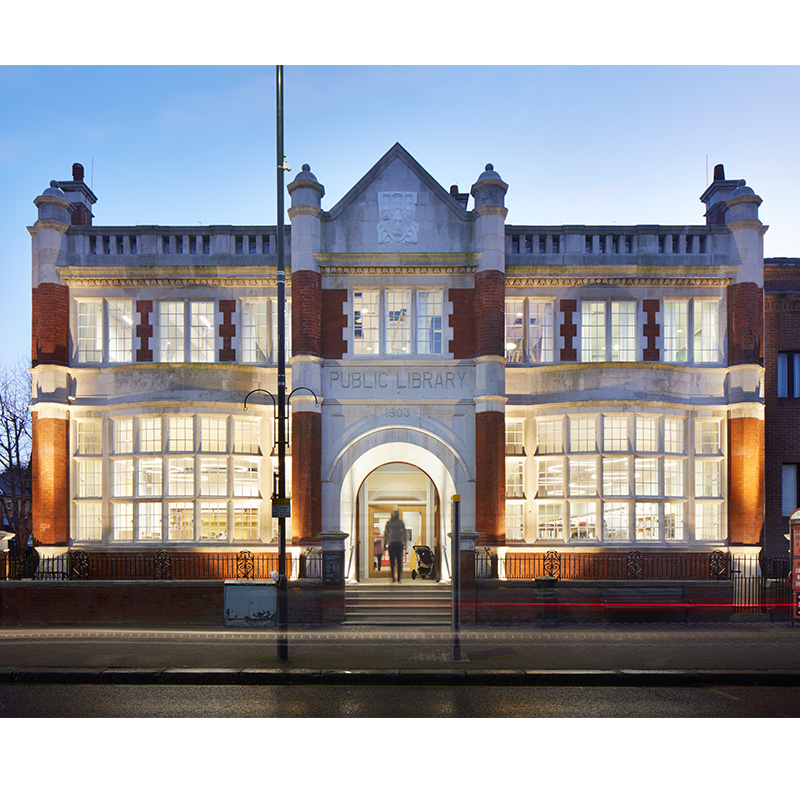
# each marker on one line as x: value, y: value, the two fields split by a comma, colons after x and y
x: 707, y: 521
x: 550, y: 521
x: 789, y: 494
x: 615, y: 434
x: 149, y: 434
x: 89, y: 437
x: 623, y: 330
x: 549, y: 435
x: 245, y: 477
x: 707, y: 478
x: 707, y: 437
x: 551, y: 477
x: 171, y: 326
x: 646, y: 476
x: 676, y: 329
x: 123, y: 477
x: 429, y: 322
x: 398, y: 324
x: 120, y: 331
x: 150, y: 471
x: 515, y: 521
x: 673, y: 521
x: 515, y: 330
x: 616, y: 480
x: 366, y: 322
x: 673, y: 434
x: 514, y: 437
x: 540, y: 331
x: 673, y: 477
x: 90, y: 331
x: 89, y: 521
x: 515, y: 478
x: 647, y: 521
x: 180, y: 481
x: 122, y: 521
x: 213, y: 434
x: 181, y: 434
x: 213, y: 477
x: 254, y: 331
x: 148, y: 526
x: 245, y: 521
x: 213, y: 521
x: 202, y: 331
x: 616, y: 522
x: 582, y: 521
x: 593, y: 331
x: 180, y: 521
x: 582, y: 434
x: 646, y: 434
x: 706, y: 331
x: 89, y: 478
x: 582, y: 477
x: 123, y: 435
x: 246, y: 436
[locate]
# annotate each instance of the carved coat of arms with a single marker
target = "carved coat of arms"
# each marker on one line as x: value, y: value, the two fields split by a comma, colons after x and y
x: 397, y: 224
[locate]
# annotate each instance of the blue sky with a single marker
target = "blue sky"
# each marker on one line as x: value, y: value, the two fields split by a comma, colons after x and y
x: 188, y: 145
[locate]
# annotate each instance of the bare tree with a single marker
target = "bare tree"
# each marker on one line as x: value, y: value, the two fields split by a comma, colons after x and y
x: 15, y: 453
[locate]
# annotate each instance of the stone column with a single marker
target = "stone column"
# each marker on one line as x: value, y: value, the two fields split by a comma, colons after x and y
x: 50, y: 374
x: 490, y: 213
x: 306, y: 288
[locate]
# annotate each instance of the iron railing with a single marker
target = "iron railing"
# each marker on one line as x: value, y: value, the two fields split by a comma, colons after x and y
x: 618, y: 565
x: 77, y: 565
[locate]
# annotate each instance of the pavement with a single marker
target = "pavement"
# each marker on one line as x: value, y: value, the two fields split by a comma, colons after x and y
x: 655, y: 654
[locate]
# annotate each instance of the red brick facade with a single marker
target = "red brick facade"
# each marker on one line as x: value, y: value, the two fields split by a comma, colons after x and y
x: 144, y: 330
x: 489, y: 320
x: 50, y: 325
x: 745, y: 480
x: 490, y: 477
x: 569, y: 330
x: 306, y: 478
x: 306, y: 313
x: 745, y: 324
x: 50, y: 480
x: 334, y: 323
x: 462, y: 321
x: 227, y: 330
x: 650, y: 330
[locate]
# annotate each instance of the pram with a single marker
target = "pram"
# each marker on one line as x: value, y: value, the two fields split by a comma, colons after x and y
x: 425, y: 562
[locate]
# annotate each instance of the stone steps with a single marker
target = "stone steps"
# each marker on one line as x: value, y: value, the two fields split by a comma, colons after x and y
x: 397, y: 604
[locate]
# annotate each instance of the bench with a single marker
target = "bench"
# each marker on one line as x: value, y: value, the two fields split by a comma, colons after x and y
x: 643, y: 598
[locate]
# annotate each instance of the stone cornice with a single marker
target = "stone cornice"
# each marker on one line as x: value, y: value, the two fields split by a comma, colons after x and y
x: 48, y: 225
x: 499, y: 211
x: 308, y: 210
x: 396, y: 263
x: 90, y: 277
x: 619, y: 280
x: 745, y: 224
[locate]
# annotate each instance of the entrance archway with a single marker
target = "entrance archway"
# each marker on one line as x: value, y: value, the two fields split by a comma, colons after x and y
x: 408, y: 489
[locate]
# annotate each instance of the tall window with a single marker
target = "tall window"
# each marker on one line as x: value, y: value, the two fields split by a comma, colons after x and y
x: 582, y: 434
x: 90, y: 331
x: 623, y: 330
x: 706, y: 331
x: 702, y: 318
x: 429, y: 322
x: 676, y: 330
x: 529, y: 326
x: 366, y: 322
x: 398, y: 322
x: 593, y: 330
x: 790, y: 494
x: 707, y: 521
x: 254, y: 331
x: 120, y: 331
x: 176, y: 318
x: 789, y: 374
x: 515, y: 437
x: 549, y: 436
x: 615, y: 434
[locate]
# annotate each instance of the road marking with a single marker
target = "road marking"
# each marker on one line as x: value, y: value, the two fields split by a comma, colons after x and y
x: 725, y: 694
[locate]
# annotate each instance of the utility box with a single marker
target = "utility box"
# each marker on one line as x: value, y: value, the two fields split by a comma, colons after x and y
x: 249, y: 603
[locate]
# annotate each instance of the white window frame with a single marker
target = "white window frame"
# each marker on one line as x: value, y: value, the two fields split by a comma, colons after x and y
x: 187, y: 331
x: 530, y: 330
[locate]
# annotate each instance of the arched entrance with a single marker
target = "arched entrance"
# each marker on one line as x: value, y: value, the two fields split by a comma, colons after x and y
x: 408, y: 489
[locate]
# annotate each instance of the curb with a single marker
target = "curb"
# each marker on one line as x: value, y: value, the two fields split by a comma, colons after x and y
x: 178, y: 676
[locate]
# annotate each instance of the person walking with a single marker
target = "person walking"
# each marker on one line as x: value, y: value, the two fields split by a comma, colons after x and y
x: 378, y: 547
x: 394, y: 535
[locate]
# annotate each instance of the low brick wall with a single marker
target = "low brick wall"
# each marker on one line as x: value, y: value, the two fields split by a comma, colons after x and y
x: 141, y: 603
x: 499, y: 601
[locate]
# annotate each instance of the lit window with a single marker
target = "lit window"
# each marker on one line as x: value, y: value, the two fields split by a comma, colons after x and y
x: 89, y: 521
x: 529, y: 325
x: 213, y: 521
x: 255, y: 348
x: 150, y: 472
x: 707, y: 478
x: 398, y: 324
x: 646, y: 434
x: 676, y: 329
x: 707, y: 437
x: 707, y: 521
x: 673, y: 477
x: 213, y: 477
x: 615, y: 434
x: 245, y: 521
x: 429, y: 322
x: 549, y: 436
x: 90, y: 331
x: 515, y: 521
x: 171, y: 324
x: 148, y: 525
x: 582, y: 477
x: 122, y: 521
x: 582, y: 521
x: 616, y: 476
x: 149, y: 434
x: 173, y: 327
x: 181, y: 434
x: 647, y: 521
x: 123, y: 435
x: 623, y: 330
x: 213, y: 434
x: 593, y: 331
x: 246, y: 436
x: 245, y: 477
x: 550, y: 521
x: 582, y: 434
x: 120, y: 331
x: 673, y: 521
x: 616, y: 522
x: 646, y: 477
x: 515, y: 443
x: 202, y: 331
x: 551, y: 477
x: 515, y: 478
x: 181, y: 521
x: 673, y: 435
x: 89, y: 478
x: 89, y: 437
x: 706, y: 331
x: 180, y: 481
x: 287, y: 331
x: 123, y: 477
x: 366, y: 327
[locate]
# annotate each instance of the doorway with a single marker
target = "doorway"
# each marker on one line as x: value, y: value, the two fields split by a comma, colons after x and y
x: 408, y: 489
